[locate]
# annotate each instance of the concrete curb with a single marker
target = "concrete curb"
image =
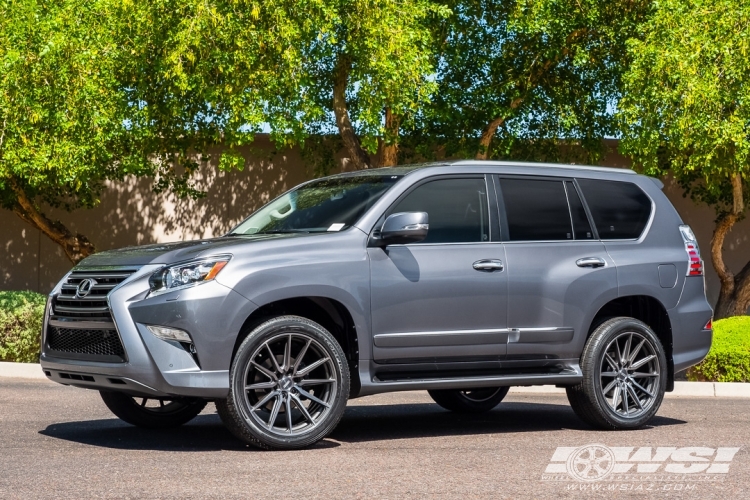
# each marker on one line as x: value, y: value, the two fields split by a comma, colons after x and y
x: 21, y: 370
x: 681, y: 389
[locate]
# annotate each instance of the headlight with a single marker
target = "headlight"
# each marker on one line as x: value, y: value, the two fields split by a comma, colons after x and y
x: 187, y: 274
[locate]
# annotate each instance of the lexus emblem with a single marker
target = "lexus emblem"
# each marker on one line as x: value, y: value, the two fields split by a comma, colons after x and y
x: 84, y: 287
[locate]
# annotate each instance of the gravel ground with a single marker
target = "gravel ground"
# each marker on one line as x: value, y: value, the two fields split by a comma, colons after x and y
x: 61, y: 442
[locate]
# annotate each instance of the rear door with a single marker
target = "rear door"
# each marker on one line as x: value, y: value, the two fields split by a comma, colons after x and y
x: 431, y: 301
x: 557, y: 268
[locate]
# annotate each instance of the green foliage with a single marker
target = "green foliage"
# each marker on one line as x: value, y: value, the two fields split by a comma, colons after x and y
x: 685, y: 109
x: 729, y: 357
x: 546, y: 69
x: 21, y: 317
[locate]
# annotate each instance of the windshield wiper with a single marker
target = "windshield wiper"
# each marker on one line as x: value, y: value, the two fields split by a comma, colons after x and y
x: 282, y: 231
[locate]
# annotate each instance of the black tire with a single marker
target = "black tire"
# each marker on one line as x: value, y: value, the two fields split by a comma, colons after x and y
x: 469, y: 400
x: 271, y: 414
x: 165, y: 413
x: 626, y: 394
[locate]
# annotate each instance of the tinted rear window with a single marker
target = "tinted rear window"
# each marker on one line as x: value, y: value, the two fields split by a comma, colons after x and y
x: 537, y: 210
x: 620, y: 209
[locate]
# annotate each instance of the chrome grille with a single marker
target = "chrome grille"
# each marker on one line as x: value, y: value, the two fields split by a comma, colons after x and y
x: 92, y: 306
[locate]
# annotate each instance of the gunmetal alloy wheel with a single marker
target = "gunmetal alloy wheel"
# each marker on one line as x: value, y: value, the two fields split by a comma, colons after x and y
x: 152, y: 413
x: 288, y: 386
x: 469, y: 400
x: 624, y: 370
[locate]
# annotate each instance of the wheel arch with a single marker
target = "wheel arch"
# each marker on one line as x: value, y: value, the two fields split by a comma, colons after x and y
x: 647, y: 309
x: 330, y: 313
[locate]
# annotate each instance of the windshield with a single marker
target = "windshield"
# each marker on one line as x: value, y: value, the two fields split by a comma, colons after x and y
x: 332, y: 204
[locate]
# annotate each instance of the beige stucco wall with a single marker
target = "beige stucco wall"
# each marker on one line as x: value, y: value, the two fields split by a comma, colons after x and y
x: 131, y: 214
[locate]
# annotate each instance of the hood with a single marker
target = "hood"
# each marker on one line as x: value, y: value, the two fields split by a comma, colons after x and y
x: 168, y: 253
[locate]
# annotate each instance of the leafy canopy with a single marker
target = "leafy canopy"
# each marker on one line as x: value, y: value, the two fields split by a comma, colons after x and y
x: 686, y: 104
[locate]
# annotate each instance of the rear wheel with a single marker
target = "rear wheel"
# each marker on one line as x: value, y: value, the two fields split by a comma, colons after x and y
x: 469, y: 400
x: 152, y: 413
x: 624, y: 376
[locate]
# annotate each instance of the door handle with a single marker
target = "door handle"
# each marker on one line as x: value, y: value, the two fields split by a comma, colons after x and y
x: 591, y: 262
x: 488, y: 265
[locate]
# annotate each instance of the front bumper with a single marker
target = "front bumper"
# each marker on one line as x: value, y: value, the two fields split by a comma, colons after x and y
x: 212, y: 314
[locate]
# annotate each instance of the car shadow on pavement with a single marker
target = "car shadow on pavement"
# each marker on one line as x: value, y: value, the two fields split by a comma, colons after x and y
x: 408, y: 421
x: 360, y: 423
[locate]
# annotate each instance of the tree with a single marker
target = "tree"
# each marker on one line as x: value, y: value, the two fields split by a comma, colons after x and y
x: 686, y: 113
x: 516, y: 77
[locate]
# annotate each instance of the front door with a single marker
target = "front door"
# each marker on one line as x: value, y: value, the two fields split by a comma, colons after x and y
x: 438, y: 300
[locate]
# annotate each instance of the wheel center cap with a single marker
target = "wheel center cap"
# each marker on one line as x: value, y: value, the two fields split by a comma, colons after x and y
x: 286, y: 383
x: 623, y: 374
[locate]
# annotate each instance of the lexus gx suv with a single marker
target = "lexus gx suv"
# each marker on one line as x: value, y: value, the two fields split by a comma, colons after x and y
x: 462, y: 279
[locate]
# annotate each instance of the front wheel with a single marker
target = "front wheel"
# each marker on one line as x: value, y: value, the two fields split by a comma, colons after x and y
x: 624, y: 376
x: 289, y: 383
x: 152, y: 413
x: 469, y: 400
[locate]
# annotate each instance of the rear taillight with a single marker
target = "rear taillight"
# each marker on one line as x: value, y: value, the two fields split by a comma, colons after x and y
x: 695, y: 264
x: 709, y: 326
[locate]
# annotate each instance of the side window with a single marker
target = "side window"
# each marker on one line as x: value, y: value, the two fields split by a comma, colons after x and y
x: 581, y: 226
x: 457, y: 209
x: 537, y: 210
x: 620, y: 209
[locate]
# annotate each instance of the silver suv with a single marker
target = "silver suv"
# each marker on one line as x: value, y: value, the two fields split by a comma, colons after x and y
x: 462, y: 279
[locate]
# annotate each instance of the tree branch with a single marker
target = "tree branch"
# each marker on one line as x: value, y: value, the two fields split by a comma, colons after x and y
x: 357, y: 155
x: 489, y: 132
x: 76, y: 246
x: 388, y: 145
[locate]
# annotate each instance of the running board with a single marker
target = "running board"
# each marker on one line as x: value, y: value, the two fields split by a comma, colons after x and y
x: 569, y: 376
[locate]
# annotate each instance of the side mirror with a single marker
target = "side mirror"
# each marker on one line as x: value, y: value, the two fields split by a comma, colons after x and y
x: 404, y: 227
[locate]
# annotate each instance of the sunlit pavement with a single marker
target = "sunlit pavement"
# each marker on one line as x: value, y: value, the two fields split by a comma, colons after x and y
x: 61, y: 442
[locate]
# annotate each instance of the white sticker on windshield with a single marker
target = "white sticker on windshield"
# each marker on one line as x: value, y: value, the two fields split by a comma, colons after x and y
x: 336, y: 227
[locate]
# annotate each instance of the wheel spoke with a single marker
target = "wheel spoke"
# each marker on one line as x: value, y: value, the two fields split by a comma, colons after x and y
x: 634, y: 396
x: 635, y: 351
x: 609, y: 374
x: 287, y: 354
x: 643, y: 375
x: 616, y: 397
x: 301, y: 355
x: 619, y: 352
x: 260, y: 385
x: 609, y: 387
x: 626, y: 351
x: 265, y: 400
x: 265, y: 371
x: 611, y: 362
x: 642, y: 388
x: 273, y: 358
x: 315, y: 381
x: 311, y: 397
x: 625, y: 403
x: 642, y: 362
x: 288, y: 414
x: 302, y: 408
x: 311, y: 367
x: 274, y: 411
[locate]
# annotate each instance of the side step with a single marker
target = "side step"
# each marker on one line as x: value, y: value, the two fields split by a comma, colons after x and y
x: 372, y: 385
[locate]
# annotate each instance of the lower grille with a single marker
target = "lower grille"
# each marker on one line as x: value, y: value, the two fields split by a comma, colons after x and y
x: 85, y: 344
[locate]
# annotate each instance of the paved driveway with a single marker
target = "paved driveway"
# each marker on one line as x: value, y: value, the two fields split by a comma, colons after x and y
x: 60, y: 442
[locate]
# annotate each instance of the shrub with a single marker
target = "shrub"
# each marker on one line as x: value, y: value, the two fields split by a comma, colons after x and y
x: 21, y: 316
x: 729, y: 357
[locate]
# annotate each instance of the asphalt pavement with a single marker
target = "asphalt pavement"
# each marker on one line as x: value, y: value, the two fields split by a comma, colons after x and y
x: 62, y: 442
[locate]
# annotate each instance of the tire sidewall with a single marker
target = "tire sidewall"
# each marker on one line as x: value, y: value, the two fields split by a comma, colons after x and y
x: 298, y: 325
x: 601, y: 339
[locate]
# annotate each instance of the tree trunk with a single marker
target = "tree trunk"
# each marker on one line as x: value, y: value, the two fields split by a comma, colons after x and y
x: 388, y: 145
x: 734, y: 296
x: 357, y: 155
x: 76, y: 246
x: 486, y: 139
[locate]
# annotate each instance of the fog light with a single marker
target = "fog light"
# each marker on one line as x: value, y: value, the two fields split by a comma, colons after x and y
x: 173, y: 334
